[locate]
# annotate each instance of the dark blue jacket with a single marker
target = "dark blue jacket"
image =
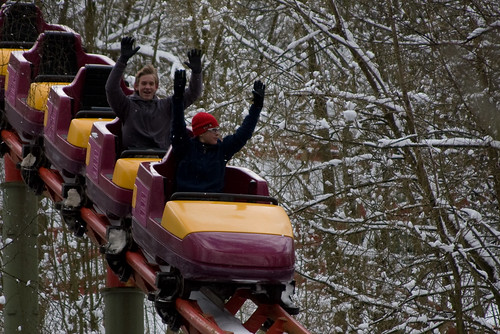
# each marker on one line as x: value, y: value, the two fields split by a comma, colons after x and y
x: 201, y: 167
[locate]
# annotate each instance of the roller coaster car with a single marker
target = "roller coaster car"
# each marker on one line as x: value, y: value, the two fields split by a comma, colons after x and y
x: 71, y: 112
x: 236, y: 239
x: 20, y: 25
x: 111, y: 171
x: 54, y: 59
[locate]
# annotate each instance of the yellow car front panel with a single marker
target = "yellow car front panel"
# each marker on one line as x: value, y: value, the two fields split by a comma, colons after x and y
x: 79, y: 130
x: 39, y: 93
x: 126, y: 169
x: 4, y: 59
x: 184, y: 217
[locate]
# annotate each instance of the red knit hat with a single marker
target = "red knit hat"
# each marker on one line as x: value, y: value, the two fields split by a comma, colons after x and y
x: 203, y: 121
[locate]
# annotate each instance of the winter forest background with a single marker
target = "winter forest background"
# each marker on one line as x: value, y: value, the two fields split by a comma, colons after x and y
x: 380, y: 136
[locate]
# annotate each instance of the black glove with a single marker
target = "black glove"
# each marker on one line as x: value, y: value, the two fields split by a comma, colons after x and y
x: 258, y: 93
x: 194, y: 63
x: 179, y: 84
x: 127, y: 50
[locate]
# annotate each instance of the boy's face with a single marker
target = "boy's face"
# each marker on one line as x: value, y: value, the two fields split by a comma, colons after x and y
x: 210, y: 136
x: 146, y: 87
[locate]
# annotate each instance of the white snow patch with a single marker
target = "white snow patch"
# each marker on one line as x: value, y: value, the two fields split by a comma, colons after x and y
x: 28, y: 161
x: 73, y: 199
x: 323, y: 124
x: 117, y: 239
x: 473, y: 214
x: 350, y: 115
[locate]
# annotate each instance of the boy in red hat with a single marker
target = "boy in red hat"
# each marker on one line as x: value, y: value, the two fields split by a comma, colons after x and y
x: 203, y: 158
x: 206, y: 128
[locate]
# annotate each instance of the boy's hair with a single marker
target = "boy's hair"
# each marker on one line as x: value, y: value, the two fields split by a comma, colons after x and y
x: 147, y: 69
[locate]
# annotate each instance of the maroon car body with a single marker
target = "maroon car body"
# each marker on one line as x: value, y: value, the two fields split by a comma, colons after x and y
x: 103, y: 152
x: 56, y: 57
x: 84, y: 98
x: 20, y: 25
x: 216, y: 252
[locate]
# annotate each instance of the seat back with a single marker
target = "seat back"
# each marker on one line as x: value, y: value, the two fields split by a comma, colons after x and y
x: 93, y: 95
x: 58, y: 59
x: 239, y: 180
x: 18, y: 25
x: 115, y: 127
x: 167, y: 168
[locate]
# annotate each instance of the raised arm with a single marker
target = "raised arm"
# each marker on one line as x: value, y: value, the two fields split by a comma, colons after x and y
x: 235, y: 142
x: 193, y: 91
x: 117, y: 99
x: 178, y: 134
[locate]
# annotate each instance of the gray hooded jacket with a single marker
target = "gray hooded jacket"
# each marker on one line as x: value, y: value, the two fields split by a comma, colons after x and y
x: 145, y: 124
